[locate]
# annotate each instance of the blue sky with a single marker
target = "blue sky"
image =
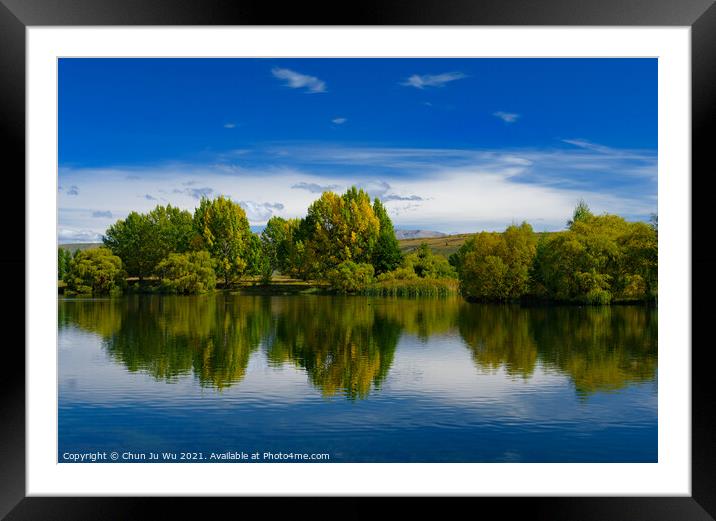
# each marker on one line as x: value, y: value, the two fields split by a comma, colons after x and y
x: 454, y: 145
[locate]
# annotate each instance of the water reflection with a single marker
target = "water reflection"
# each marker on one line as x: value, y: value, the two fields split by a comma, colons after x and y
x: 346, y: 345
x: 599, y: 348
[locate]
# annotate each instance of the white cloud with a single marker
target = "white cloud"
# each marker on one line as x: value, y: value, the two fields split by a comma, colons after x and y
x: 432, y: 80
x: 296, y: 80
x: 507, y: 117
x: 452, y: 190
x: 69, y: 235
x: 339, y: 121
x: 230, y: 125
x: 259, y: 213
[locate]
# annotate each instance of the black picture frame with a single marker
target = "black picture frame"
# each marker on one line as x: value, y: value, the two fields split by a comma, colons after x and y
x: 700, y: 15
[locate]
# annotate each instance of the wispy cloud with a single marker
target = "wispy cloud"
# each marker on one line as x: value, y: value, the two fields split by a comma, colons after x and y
x: 432, y: 80
x: 507, y: 117
x: 102, y: 213
x: 296, y: 80
x: 583, y: 143
x: 229, y: 125
x: 394, y: 197
x: 196, y: 193
x: 150, y: 197
x: 339, y: 121
x: 315, y: 188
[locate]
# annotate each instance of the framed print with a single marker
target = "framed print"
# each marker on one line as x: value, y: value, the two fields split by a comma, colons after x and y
x: 411, y: 253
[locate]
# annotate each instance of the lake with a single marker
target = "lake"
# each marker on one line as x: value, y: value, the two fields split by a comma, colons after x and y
x: 226, y: 376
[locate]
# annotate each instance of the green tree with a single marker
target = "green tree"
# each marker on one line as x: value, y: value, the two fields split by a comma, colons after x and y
x: 638, y: 263
x: 223, y: 230
x: 95, y: 272
x: 494, y: 266
x: 276, y: 239
x: 581, y: 213
x: 350, y: 277
x: 257, y: 259
x: 173, y: 229
x: 425, y: 264
x: 132, y: 240
x: 187, y: 273
x: 600, y: 259
x: 63, y: 262
x: 143, y: 240
x: 386, y: 254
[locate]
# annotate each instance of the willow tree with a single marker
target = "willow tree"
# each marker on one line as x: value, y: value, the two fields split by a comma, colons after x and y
x: 496, y: 266
x: 223, y: 230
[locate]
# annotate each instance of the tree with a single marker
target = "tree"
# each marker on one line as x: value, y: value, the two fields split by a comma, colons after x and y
x: 581, y: 213
x: 638, y: 268
x: 598, y: 260
x: 257, y: 259
x: 173, y: 228
x: 223, y: 230
x: 494, y: 266
x: 95, y: 272
x: 425, y: 264
x: 143, y: 240
x: 340, y: 228
x: 386, y: 254
x: 131, y: 239
x: 274, y: 242
x: 63, y: 262
x: 350, y: 277
x: 187, y: 273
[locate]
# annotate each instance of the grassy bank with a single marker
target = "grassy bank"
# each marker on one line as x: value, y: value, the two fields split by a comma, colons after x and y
x: 413, y: 288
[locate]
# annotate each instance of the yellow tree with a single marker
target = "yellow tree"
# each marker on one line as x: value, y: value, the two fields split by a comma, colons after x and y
x: 341, y: 228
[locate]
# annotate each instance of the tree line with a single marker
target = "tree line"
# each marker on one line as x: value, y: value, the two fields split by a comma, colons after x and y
x: 599, y: 259
x: 348, y: 241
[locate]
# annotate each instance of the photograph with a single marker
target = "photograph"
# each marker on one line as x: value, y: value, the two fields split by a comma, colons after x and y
x: 357, y: 260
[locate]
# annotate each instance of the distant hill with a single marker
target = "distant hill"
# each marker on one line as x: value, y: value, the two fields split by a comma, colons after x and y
x: 80, y: 246
x: 417, y: 234
x: 443, y: 245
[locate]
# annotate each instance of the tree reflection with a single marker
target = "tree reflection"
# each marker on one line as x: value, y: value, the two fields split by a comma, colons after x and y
x: 499, y: 336
x: 599, y: 348
x: 346, y: 345
x: 211, y: 336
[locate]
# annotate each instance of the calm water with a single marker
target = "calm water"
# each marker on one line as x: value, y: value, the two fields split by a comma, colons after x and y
x: 361, y: 379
